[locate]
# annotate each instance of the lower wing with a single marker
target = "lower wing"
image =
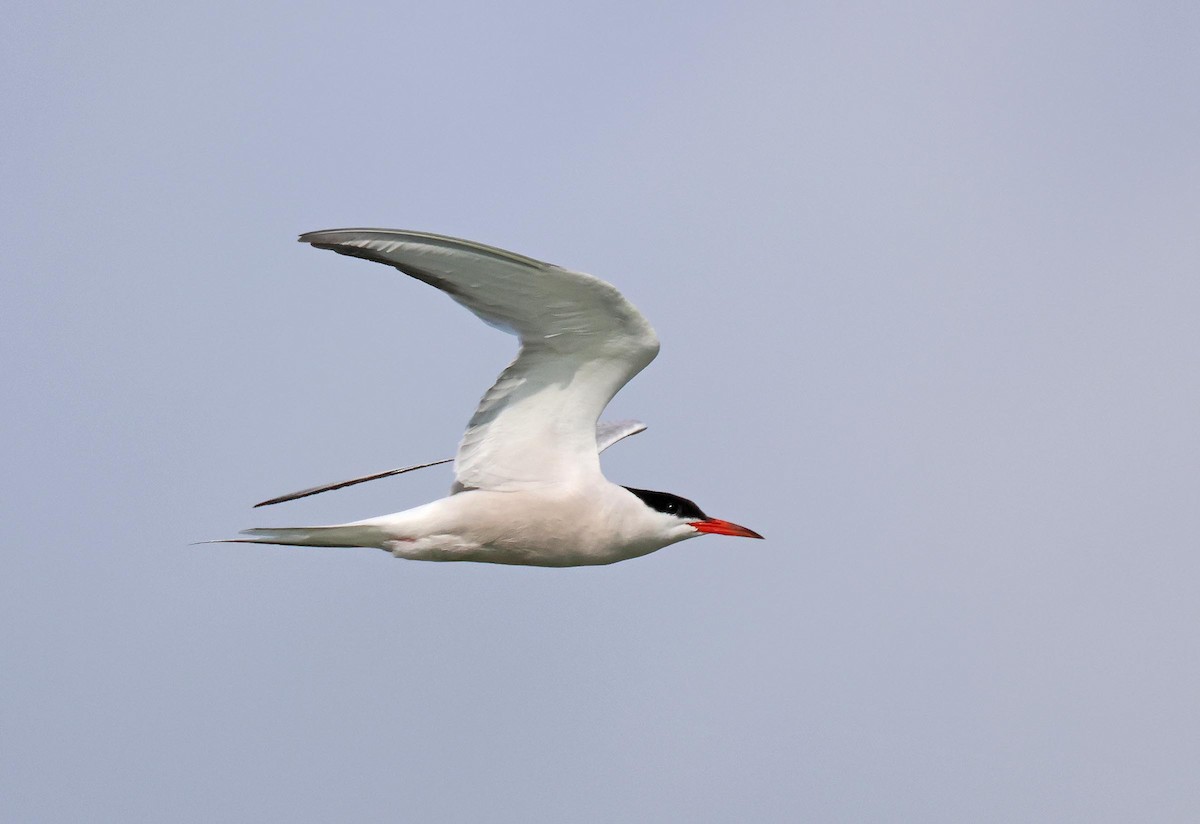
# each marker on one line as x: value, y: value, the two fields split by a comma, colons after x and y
x: 607, y: 434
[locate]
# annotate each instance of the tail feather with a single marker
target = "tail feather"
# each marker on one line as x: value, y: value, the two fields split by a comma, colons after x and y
x: 342, y: 536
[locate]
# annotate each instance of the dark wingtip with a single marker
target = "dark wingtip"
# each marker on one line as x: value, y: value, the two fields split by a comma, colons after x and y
x: 317, y: 490
x: 313, y: 237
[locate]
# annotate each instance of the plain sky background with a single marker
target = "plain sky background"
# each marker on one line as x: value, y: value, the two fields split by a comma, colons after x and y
x: 927, y: 278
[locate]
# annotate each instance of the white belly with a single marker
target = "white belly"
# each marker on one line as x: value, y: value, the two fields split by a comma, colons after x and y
x: 542, y: 528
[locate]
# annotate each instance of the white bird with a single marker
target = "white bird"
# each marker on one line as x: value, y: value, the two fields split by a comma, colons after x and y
x: 528, y: 487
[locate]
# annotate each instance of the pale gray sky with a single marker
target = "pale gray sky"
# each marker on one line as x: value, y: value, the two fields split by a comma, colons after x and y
x: 927, y: 284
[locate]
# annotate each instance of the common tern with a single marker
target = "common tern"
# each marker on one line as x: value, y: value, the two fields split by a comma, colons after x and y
x: 528, y: 487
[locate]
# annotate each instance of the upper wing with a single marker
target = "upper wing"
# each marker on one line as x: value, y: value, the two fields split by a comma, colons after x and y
x: 607, y: 434
x: 581, y: 341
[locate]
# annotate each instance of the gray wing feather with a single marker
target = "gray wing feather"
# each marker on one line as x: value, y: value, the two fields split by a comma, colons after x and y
x: 317, y: 490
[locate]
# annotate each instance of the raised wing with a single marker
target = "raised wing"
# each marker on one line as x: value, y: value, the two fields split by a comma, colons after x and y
x: 581, y: 341
x: 607, y: 434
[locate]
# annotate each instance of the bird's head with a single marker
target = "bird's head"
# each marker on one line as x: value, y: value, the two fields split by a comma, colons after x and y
x: 682, y: 519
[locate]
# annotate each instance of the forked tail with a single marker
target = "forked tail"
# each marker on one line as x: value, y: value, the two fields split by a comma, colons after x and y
x: 367, y: 535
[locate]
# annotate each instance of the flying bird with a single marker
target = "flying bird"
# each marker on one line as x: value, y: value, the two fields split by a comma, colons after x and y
x: 528, y: 487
